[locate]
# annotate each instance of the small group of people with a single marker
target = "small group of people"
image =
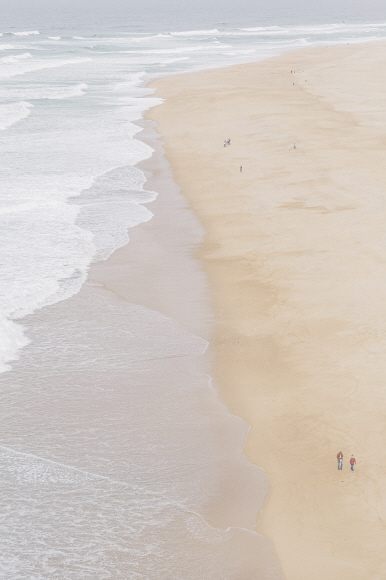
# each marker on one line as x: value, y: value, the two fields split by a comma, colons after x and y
x: 228, y: 142
x: 339, y: 457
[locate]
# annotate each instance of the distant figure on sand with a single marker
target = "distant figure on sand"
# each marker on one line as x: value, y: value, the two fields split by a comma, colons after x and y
x: 352, y: 462
x: 241, y: 168
x: 225, y: 143
x: 228, y: 142
x: 340, y: 460
x: 294, y: 145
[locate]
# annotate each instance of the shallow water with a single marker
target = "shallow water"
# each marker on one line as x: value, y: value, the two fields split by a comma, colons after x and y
x: 114, y: 449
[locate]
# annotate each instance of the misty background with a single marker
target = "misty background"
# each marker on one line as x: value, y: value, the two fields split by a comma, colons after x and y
x: 166, y: 15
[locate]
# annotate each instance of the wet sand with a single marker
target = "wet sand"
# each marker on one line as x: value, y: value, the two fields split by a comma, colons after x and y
x: 295, y: 253
x: 160, y: 269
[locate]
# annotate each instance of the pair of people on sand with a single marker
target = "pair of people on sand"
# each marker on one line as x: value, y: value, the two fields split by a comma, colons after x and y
x: 227, y: 142
x: 340, y: 461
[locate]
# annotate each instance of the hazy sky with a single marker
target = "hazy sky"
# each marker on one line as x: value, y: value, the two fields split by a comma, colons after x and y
x: 21, y: 12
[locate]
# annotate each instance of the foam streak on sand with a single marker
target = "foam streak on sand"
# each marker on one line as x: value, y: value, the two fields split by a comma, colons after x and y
x: 295, y: 255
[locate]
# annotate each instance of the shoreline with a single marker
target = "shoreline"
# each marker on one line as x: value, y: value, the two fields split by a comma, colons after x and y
x: 157, y: 270
x: 293, y: 255
x: 241, y: 491
x: 153, y: 270
x: 115, y: 385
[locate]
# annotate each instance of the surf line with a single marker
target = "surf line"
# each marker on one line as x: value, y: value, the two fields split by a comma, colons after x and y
x: 63, y: 466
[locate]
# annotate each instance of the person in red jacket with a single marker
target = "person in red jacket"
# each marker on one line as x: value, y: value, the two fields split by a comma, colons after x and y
x: 352, y: 462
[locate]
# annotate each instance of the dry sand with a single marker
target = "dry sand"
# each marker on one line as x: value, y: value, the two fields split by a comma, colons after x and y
x: 295, y: 252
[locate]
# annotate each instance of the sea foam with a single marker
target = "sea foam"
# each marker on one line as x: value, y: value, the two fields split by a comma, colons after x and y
x: 26, y: 33
x: 12, y: 113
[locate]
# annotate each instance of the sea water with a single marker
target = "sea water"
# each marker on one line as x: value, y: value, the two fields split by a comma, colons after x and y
x: 117, y: 459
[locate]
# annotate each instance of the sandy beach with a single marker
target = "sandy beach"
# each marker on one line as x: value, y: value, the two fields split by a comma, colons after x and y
x: 295, y: 254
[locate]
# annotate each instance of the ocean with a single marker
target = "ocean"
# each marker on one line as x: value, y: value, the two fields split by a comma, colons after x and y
x: 117, y: 458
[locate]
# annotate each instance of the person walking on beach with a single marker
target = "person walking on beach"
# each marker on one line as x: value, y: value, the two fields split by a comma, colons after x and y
x: 340, y: 460
x: 228, y: 142
x: 241, y: 168
x: 352, y: 462
x: 225, y: 143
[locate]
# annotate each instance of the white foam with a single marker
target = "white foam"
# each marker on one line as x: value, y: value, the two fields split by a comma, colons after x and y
x: 12, y: 113
x: 15, y: 58
x: 26, y: 33
x: 178, y: 50
x: 265, y: 29
x: 320, y: 29
x: 24, y: 63
x: 173, y: 60
x: 12, y: 339
x: 149, y: 38
x: 44, y: 257
x: 45, y: 254
x: 55, y: 37
x: 56, y: 93
x: 112, y: 205
x: 196, y: 32
x: 43, y: 91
